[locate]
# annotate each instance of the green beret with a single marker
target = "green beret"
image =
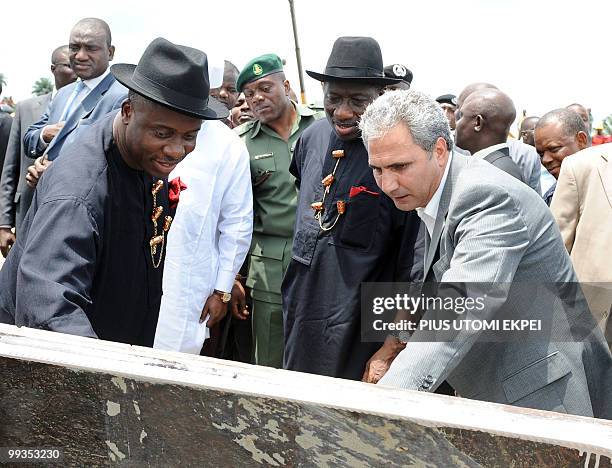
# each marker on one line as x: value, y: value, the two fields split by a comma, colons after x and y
x: 258, y: 68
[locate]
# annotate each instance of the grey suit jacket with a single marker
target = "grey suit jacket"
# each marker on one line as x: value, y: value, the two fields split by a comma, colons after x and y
x: 501, y: 159
x: 15, y: 194
x: 526, y: 158
x: 106, y: 96
x: 492, y: 228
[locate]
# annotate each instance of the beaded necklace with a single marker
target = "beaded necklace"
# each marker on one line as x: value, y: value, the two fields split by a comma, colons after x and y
x: 327, y: 181
x: 158, y: 239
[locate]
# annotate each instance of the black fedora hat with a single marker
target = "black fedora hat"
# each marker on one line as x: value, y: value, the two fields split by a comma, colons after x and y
x: 175, y: 76
x: 355, y: 58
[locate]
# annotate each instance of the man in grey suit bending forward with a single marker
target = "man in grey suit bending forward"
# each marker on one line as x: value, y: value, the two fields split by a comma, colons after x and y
x: 483, y: 226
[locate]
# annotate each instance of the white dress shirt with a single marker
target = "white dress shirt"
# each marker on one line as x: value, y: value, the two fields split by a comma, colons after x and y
x: 429, y: 213
x: 88, y: 88
x: 209, y: 237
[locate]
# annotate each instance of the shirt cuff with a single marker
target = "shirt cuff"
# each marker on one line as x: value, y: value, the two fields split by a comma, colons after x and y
x: 42, y: 143
x: 5, y: 226
x: 225, y: 280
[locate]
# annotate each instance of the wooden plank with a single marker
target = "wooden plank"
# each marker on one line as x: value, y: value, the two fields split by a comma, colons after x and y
x: 106, y: 402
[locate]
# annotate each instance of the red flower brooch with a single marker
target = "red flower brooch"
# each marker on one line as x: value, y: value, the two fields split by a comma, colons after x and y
x: 175, y: 187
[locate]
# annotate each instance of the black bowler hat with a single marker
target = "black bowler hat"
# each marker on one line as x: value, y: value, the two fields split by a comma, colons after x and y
x: 355, y: 58
x: 397, y: 70
x: 175, y: 76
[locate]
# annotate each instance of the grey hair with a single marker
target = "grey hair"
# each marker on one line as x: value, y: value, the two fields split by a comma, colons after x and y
x: 571, y: 122
x: 420, y: 113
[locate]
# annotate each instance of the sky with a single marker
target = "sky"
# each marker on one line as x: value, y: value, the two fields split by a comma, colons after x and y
x: 544, y: 54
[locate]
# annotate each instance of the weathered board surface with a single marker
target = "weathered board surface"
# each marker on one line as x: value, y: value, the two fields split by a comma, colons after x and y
x: 106, y: 403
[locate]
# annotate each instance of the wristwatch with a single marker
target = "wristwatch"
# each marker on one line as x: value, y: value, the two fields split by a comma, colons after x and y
x: 225, y: 296
x: 402, y: 335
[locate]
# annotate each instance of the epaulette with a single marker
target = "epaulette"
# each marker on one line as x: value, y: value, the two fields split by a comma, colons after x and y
x: 315, y: 106
x: 245, y: 127
x: 317, y: 109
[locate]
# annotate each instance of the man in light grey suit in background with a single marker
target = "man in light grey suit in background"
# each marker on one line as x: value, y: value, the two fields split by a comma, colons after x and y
x: 15, y: 194
x: 484, y: 226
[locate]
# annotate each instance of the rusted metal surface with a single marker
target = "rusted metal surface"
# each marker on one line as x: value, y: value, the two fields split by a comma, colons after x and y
x: 105, y: 403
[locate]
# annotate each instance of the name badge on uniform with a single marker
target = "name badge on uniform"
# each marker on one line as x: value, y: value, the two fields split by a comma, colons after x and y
x: 263, y: 156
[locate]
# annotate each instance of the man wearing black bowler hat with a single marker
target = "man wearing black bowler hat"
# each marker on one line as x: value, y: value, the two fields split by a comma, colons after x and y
x: 91, y: 256
x: 347, y: 231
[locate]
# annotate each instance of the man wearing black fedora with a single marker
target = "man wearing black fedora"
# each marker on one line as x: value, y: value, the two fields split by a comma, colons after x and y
x: 347, y: 231
x: 91, y: 256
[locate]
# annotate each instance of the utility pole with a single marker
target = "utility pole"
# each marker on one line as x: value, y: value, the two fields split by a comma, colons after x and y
x: 297, y: 53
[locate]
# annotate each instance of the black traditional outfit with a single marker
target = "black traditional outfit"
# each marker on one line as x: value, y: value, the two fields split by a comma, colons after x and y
x: 359, y: 237
x: 90, y: 259
x: 84, y: 264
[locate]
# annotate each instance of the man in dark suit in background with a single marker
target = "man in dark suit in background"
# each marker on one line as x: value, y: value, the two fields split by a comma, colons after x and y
x: 15, y: 194
x: 92, y: 96
x: 522, y: 154
x: 5, y: 128
x: 482, y: 128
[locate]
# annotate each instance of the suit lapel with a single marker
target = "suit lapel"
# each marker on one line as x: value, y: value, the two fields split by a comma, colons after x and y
x: 605, y: 173
x: 445, y: 199
x: 84, y: 109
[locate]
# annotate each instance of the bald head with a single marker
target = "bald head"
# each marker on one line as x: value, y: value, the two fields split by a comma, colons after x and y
x: 60, y: 67
x: 469, y: 89
x: 486, y: 117
x: 95, y: 26
x: 526, y: 130
x: 59, y: 53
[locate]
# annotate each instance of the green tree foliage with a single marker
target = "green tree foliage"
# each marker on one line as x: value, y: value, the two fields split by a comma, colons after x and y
x: 607, y: 125
x: 42, y: 86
